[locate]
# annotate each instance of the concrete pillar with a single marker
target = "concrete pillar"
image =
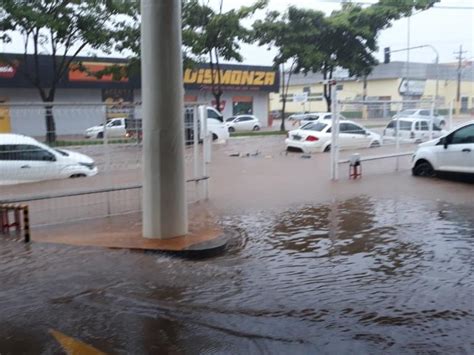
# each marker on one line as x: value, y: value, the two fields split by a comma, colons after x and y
x: 164, y: 186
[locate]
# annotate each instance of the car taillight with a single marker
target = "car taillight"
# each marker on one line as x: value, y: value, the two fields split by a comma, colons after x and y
x: 412, y: 134
x: 312, y: 139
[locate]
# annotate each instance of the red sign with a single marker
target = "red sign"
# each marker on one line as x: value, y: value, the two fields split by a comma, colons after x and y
x: 222, y: 104
x: 75, y: 74
x: 7, y: 71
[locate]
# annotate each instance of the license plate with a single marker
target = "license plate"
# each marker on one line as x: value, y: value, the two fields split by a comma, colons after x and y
x: 296, y: 137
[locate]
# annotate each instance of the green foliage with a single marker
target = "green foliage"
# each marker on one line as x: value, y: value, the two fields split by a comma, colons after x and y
x: 63, y: 29
x: 212, y: 36
x: 345, y: 39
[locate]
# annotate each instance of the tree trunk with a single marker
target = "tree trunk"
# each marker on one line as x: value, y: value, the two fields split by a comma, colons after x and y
x: 285, y: 93
x: 50, y: 123
x: 217, y: 96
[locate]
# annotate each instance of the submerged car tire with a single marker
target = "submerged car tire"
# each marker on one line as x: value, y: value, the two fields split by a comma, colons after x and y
x: 214, y: 137
x: 100, y: 135
x: 256, y: 128
x: 231, y: 129
x: 327, y: 149
x: 375, y: 144
x: 75, y: 176
x: 424, y: 169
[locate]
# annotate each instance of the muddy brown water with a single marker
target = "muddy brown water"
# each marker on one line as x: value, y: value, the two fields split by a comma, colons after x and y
x: 362, y: 275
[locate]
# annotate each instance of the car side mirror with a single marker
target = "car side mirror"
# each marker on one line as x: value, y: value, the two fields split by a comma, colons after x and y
x: 444, y: 142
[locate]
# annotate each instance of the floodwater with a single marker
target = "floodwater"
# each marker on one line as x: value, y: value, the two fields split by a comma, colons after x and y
x: 361, y: 276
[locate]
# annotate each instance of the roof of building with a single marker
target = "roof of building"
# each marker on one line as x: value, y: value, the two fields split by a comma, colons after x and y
x: 396, y: 70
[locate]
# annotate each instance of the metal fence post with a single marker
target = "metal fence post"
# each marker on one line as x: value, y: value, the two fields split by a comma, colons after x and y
x: 432, y: 114
x: 196, y: 137
x: 397, y: 141
x: 334, y: 134
x: 107, y: 159
x: 450, y: 117
x: 206, y: 155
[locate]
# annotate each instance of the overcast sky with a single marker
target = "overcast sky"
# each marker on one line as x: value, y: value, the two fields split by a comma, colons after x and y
x: 445, y: 27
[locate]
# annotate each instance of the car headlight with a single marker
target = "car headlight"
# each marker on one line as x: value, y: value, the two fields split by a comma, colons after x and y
x: 88, y: 165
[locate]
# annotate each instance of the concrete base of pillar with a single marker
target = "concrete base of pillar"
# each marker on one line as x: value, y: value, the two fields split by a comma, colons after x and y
x: 124, y: 232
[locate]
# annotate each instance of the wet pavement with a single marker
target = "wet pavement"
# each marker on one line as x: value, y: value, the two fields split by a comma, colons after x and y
x: 378, y: 265
x: 364, y: 275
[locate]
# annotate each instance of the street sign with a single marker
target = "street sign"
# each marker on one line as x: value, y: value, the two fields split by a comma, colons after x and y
x: 301, y: 97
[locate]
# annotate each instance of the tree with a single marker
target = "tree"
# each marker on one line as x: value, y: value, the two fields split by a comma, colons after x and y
x: 295, y: 35
x: 346, y: 39
x: 64, y: 29
x: 214, y: 36
x: 352, y: 33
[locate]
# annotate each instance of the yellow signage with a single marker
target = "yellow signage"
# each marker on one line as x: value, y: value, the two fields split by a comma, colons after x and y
x: 234, y: 77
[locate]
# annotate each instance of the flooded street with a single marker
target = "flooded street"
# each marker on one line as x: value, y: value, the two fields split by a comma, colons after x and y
x: 356, y: 275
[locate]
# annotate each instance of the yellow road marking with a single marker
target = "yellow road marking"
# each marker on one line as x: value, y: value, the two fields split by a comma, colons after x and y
x: 73, y: 346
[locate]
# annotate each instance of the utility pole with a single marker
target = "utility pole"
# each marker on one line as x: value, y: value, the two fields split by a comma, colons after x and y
x: 458, y: 91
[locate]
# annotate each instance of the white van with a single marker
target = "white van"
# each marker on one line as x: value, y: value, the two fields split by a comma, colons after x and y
x: 411, y: 130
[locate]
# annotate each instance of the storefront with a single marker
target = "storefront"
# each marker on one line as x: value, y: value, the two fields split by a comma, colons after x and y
x: 245, y: 89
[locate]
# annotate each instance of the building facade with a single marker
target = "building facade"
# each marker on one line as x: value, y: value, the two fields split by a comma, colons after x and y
x: 387, y: 82
x: 83, y: 99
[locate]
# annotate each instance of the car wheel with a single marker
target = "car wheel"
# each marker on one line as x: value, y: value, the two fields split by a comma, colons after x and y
x: 256, y: 128
x: 375, y: 144
x: 231, y: 129
x: 100, y: 135
x: 214, y: 137
x: 74, y: 176
x: 327, y: 149
x: 423, y: 168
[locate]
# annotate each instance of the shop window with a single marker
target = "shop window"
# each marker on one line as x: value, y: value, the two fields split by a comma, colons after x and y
x: 242, y: 105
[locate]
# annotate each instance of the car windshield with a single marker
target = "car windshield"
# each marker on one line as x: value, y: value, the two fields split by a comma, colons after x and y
x: 62, y: 152
x: 314, y: 126
x: 230, y: 119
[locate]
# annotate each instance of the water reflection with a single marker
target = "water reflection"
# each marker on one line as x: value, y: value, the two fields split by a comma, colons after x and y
x: 358, y: 276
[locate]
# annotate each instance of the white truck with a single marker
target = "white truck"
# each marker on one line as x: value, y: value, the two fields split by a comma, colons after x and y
x: 132, y: 127
x: 114, y: 128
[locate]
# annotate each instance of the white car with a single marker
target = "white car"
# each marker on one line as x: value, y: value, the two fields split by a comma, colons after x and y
x: 320, y: 116
x: 114, y: 128
x: 411, y: 130
x: 316, y: 137
x: 24, y: 159
x: 453, y: 152
x: 243, y: 123
x: 422, y: 113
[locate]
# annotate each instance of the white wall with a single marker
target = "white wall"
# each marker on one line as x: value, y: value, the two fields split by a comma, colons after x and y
x: 70, y: 119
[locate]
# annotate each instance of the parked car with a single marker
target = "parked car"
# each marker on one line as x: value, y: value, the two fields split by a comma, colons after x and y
x: 411, y: 130
x: 316, y: 137
x: 422, y: 113
x: 298, y: 116
x: 24, y: 159
x: 243, y: 123
x: 311, y: 117
x: 114, y: 128
x: 453, y: 152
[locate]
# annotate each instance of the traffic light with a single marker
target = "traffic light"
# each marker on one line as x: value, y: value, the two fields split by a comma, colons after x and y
x: 386, y: 53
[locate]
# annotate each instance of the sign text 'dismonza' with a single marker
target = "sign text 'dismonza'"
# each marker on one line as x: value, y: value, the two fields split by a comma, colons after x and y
x: 229, y: 77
